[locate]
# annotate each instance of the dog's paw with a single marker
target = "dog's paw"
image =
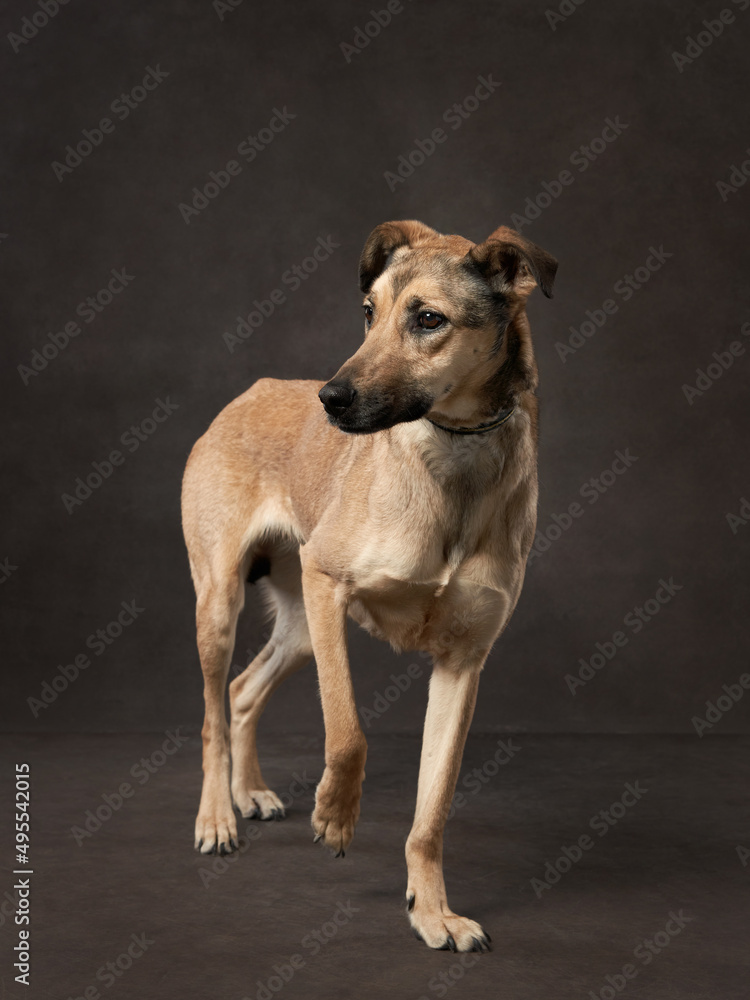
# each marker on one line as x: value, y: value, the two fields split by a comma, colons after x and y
x: 216, y: 832
x: 336, y: 811
x: 444, y: 930
x: 259, y: 804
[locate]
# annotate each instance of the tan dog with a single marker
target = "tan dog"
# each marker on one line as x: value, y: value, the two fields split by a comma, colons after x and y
x: 408, y: 503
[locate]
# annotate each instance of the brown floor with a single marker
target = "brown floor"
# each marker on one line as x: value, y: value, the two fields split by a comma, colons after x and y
x: 229, y: 930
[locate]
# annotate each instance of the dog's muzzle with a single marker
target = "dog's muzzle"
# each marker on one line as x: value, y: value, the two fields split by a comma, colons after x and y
x: 366, y: 411
x: 337, y: 397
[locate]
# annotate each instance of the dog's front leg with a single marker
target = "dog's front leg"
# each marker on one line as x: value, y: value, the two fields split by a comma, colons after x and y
x: 453, y: 692
x: 340, y: 789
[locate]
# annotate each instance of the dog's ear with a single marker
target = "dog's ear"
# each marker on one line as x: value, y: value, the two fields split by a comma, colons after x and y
x: 381, y: 243
x: 506, y: 261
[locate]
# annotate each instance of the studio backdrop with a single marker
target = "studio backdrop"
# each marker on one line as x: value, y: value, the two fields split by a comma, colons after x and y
x: 188, y: 187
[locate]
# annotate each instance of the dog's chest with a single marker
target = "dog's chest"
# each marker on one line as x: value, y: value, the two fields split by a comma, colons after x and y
x: 400, y: 576
x: 402, y: 592
x: 418, y: 528
x: 404, y: 537
x: 417, y: 543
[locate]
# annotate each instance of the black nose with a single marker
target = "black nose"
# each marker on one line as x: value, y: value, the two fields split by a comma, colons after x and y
x: 337, y: 397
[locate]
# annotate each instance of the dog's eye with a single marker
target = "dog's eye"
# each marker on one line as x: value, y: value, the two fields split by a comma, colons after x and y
x: 368, y: 314
x: 430, y: 320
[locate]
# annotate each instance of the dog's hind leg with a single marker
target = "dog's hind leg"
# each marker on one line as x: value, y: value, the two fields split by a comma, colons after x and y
x: 287, y: 650
x: 220, y: 599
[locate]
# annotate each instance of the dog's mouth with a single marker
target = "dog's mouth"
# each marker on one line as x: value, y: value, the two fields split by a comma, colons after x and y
x: 367, y: 414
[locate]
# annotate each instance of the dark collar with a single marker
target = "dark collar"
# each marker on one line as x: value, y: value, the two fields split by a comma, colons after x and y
x: 480, y: 428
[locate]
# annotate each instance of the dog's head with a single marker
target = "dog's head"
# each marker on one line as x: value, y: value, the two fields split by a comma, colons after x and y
x: 445, y: 328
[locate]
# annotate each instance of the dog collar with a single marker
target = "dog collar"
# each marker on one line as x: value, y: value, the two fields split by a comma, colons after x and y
x: 480, y: 428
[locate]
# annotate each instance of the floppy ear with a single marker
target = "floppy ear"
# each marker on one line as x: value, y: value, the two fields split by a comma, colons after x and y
x: 381, y: 243
x: 506, y: 259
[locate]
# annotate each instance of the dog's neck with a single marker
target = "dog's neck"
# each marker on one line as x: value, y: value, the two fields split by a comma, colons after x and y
x: 498, y: 420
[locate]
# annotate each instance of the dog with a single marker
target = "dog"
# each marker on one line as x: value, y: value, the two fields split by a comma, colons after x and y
x: 407, y: 501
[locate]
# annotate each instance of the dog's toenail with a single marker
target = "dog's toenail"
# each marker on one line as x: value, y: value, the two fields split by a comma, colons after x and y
x: 410, y: 903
